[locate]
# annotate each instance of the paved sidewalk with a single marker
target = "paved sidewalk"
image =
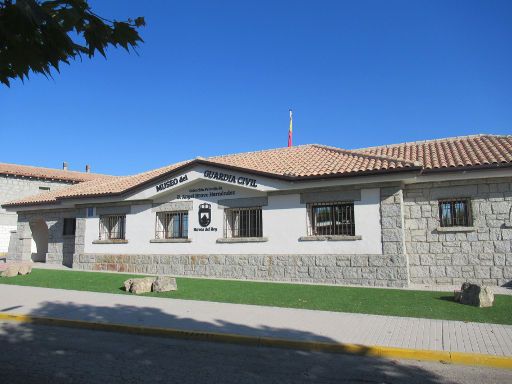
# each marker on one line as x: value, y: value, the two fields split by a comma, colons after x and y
x: 251, y: 320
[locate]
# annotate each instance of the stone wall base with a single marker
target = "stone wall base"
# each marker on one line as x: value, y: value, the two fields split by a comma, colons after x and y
x: 367, y: 270
x: 486, y: 269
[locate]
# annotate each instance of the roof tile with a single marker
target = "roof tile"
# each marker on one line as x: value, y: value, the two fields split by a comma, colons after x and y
x: 47, y: 173
x: 315, y: 161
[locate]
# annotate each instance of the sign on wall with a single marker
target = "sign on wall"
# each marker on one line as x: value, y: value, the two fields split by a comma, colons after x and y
x: 203, y: 193
x: 171, y: 183
x: 240, y: 180
x: 205, y: 214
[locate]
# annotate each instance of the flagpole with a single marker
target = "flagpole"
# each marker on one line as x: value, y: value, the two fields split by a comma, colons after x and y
x: 290, y: 130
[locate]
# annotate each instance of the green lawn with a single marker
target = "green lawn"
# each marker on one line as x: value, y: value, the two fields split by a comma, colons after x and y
x: 433, y: 305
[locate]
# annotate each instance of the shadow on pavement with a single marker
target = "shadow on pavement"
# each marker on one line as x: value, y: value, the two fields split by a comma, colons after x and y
x: 37, y: 354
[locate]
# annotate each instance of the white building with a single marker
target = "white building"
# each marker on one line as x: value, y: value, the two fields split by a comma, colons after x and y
x: 425, y: 212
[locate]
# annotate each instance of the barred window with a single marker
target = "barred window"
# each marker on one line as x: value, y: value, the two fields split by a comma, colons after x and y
x: 243, y: 222
x: 455, y: 213
x: 333, y: 218
x: 171, y: 225
x: 112, y: 227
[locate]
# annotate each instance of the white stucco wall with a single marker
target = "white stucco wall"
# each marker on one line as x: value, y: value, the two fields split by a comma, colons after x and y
x: 284, y: 222
x: 5, y: 235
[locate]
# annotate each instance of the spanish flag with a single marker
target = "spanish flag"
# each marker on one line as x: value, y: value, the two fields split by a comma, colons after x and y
x: 290, y: 130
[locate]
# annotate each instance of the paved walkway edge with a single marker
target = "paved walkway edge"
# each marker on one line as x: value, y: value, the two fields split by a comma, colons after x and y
x: 353, y: 349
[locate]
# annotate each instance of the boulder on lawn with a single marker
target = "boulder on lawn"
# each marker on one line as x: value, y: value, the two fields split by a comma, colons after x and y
x: 12, y: 270
x: 478, y: 296
x: 142, y: 285
x: 25, y: 268
x: 128, y: 285
x: 164, y: 284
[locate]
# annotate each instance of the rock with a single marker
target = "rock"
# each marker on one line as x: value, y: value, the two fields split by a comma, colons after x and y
x: 11, y: 271
x: 486, y: 297
x: 128, y: 285
x: 476, y: 295
x: 25, y: 268
x: 164, y: 284
x: 142, y: 285
x: 150, y: 284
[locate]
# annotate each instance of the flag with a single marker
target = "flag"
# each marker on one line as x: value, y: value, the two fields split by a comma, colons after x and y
x: 290, y: 130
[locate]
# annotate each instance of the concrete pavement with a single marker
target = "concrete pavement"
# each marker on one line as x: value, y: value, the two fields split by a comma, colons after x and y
x: 259, y: 321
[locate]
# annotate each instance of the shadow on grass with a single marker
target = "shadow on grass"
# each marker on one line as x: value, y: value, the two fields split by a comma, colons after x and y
x: 39, y: 353
x: 447, y: 298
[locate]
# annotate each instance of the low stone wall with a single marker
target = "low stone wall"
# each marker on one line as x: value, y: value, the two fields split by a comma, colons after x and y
x: 482, y: 254
x: 369, y: 270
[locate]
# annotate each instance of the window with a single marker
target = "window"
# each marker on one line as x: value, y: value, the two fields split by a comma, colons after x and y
x: 69, y: 227
x: 455, y: 213
x: 243, y: 222
x: 112, y: 227
x: 172, y: 225
x: 335, y: 218
x: 90, y: 211
x: 44, y: 188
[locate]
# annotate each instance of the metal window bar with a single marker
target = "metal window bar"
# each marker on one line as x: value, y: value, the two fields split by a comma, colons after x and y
x: 331, y: 218
x: 112, y: 227
x: 171, y: 225
x: 454, y: 213
x: 243, y: 222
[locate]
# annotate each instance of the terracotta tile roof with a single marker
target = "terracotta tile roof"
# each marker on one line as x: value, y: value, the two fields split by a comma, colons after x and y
x: 465, y: 151
x: 310, y: 161
x: 290, y: 163
x: 46, y: 173
x: 118, y: 184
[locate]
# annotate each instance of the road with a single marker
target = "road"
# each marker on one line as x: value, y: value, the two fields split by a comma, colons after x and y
x: 43, y: 354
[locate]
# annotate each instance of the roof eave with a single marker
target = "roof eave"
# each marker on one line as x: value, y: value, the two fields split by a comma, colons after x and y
x: 466, y: 168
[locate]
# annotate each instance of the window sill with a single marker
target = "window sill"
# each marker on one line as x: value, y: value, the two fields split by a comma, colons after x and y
x: 455, y: 229
x: 170, y: 240
x: 330, y: 238
x: 111, y: 241
x: 231, y: 240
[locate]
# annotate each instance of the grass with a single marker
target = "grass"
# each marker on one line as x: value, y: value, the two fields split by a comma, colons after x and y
x: 432, y: 305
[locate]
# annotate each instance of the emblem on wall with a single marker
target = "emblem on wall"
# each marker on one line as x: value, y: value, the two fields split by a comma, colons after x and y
x: 205, y: 214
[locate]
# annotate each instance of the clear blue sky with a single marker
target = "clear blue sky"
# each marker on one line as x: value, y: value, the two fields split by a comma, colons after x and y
x: 218, y: 77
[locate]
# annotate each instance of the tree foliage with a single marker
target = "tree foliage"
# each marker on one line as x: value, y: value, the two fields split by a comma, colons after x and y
x: 38, y: 35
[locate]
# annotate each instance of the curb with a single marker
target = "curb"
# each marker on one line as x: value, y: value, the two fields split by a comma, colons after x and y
x: 352, y: 349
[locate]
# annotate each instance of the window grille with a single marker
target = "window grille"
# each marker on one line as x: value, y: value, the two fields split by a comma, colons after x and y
x: 333, y: 218
x: 243, y: 222
x: 112, y: 227
x: 69, y: 227
x: 171, y: 225
x: 455, y: 213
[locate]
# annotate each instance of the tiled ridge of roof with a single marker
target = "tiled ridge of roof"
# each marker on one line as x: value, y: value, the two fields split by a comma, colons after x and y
x: 453, y: 152
x: 429, y: 140
x: 47, y: 173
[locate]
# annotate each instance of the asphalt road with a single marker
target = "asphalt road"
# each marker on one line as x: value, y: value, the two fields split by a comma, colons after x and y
x: 42, y: 354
